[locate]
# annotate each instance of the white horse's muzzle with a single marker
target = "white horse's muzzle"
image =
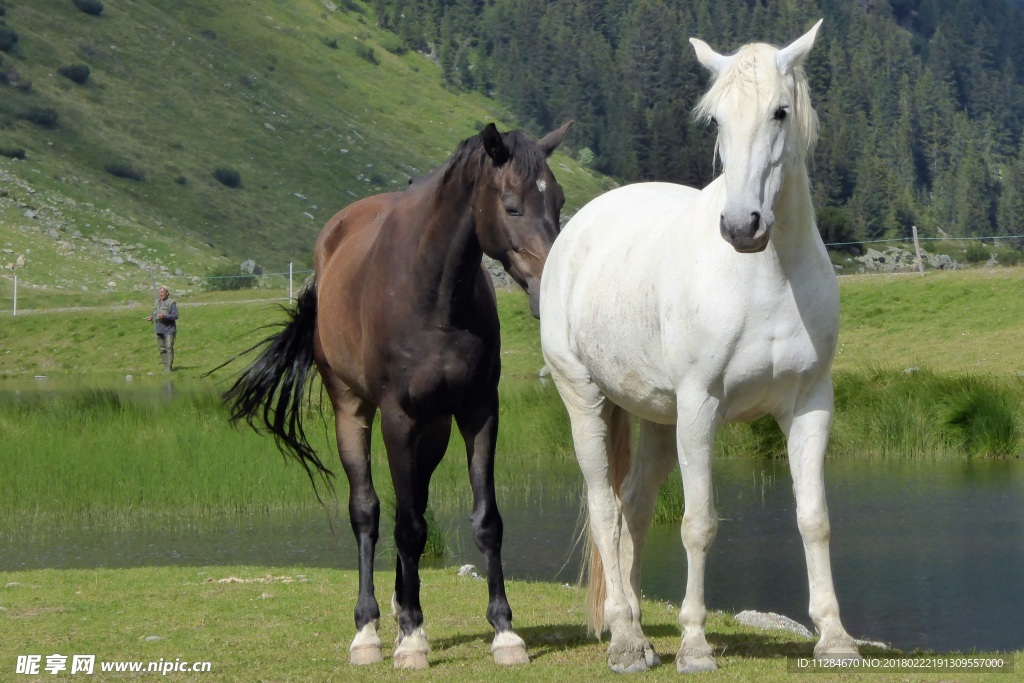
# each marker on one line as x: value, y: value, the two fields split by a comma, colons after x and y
x: 746, y: 231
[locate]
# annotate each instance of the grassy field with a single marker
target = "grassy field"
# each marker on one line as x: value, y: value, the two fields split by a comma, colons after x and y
x: 966, y: 321
x: 295, y: 624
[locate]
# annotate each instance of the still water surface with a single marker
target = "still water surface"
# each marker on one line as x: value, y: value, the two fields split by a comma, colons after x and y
x: 926, y: 556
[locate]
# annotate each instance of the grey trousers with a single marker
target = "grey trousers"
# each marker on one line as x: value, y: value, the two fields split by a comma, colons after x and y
x: 165, y: 342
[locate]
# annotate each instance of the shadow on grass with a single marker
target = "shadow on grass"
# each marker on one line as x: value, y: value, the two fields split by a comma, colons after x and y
x: 544, y: 640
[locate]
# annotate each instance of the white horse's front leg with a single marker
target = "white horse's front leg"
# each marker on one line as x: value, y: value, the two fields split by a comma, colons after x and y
x: 807, y: 437
x: 695, y: 435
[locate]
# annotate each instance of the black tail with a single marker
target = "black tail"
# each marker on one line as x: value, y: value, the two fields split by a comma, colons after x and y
x: 268, y: 394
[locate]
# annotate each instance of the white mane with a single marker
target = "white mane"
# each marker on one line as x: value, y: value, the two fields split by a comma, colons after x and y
x: 755, y: 70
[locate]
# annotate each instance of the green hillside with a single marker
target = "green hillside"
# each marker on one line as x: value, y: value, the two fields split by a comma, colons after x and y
x: 310, y: 104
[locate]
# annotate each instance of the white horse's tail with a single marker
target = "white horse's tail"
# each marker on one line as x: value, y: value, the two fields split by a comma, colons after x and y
x: 619, y: 457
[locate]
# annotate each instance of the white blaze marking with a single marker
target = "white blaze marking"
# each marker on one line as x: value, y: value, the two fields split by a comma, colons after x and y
x: 542, y: 185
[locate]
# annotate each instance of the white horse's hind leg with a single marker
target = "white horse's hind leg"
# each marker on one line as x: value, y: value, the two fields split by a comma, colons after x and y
x: 655, y: 457
x: 695, y: 436
x: 807, y: 437
x: 592, y: 418
x: 595, y: 438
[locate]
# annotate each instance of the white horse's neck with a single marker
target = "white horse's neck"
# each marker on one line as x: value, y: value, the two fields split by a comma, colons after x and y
x: 795, y: 223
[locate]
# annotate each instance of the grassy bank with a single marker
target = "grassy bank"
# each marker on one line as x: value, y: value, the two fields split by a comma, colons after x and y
x: 295, y: 624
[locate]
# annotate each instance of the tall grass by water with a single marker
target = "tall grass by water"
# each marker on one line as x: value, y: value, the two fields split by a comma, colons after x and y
x: 120, y: 457
x: 157, y: 454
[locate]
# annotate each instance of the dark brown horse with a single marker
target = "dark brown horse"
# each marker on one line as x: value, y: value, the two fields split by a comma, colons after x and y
x: 401, y: 317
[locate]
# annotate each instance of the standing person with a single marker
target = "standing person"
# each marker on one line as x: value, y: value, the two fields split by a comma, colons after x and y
x: 165, y: 316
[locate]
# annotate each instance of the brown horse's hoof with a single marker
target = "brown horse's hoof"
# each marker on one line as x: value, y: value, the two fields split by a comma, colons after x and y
x: 411, y: 650
x: 411, y: 660
x: 511, y: 656
x: 509, y: 649
x: 365, y: 648
x: 365, y: 654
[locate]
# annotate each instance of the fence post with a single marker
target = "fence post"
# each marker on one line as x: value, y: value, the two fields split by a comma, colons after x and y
x: 917, y: 249
x: 15, y: 312
x: 289, y: 281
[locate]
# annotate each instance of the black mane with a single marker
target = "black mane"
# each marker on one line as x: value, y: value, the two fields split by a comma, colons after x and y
x: 525, y: 156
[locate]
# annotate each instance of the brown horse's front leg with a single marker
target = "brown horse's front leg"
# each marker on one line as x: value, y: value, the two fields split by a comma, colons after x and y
x: 401, y: 434
x: 479, y: 427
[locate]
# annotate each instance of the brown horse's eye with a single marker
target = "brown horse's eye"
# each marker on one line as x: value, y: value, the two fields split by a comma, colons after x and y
x: 513, y: 205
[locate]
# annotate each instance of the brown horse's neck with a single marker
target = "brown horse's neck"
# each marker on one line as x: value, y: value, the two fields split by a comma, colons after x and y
x: 447, y: 253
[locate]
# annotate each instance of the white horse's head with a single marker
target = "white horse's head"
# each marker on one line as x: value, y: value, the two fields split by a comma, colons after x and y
x: 760, y: 102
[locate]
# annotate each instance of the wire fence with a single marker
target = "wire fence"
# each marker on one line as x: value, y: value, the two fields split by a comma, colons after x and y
x: 41, y: 299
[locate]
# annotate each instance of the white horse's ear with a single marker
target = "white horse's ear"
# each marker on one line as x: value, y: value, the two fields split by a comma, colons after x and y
x: 797, y: 51
x: 713, y: 61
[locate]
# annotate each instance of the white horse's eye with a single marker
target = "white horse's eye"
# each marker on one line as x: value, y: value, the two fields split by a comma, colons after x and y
x: 780, y: 114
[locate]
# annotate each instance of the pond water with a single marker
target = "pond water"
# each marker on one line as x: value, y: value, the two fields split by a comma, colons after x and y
x: 927, y: 556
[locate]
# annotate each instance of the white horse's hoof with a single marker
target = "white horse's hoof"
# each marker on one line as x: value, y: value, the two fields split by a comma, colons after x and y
x: 621, y: 667
x: 691, y: 661
x: 631, y: 657
x: 843, y: 647
x: 693, y: 665
x: 509, y: 649
x: 411, y: 650
x: 365, y: 648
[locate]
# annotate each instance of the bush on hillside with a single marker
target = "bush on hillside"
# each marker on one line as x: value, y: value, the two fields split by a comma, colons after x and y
x: 92, y: 7
x: 393, y: 44
x: 228, y: 176
x: 13, y: 152
x: 79, y: 73
x: 13, y: 79
x: 122, y: 169
x: 229, y: 278
x: 367, y: 53
x: 8, y: 38
x: 44, y: 117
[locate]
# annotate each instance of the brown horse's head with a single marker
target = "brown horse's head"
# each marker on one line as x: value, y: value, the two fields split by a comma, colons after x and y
x: 517, y: 202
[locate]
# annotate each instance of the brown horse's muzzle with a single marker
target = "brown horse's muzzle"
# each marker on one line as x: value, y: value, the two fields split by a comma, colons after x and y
x: 525, y: 268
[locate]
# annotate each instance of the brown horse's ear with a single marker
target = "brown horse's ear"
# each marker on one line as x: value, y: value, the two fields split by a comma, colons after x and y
x: 550, y: 142
x: 494, y: 145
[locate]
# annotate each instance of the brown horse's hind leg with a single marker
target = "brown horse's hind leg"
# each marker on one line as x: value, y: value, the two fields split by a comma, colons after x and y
x: 479, y: 427
x: 353, y: 419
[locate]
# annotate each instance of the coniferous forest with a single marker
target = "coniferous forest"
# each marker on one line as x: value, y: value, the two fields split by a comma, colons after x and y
x: 921, y: 102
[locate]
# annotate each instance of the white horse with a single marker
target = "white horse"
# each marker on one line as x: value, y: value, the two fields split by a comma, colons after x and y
x: 689, y: 309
